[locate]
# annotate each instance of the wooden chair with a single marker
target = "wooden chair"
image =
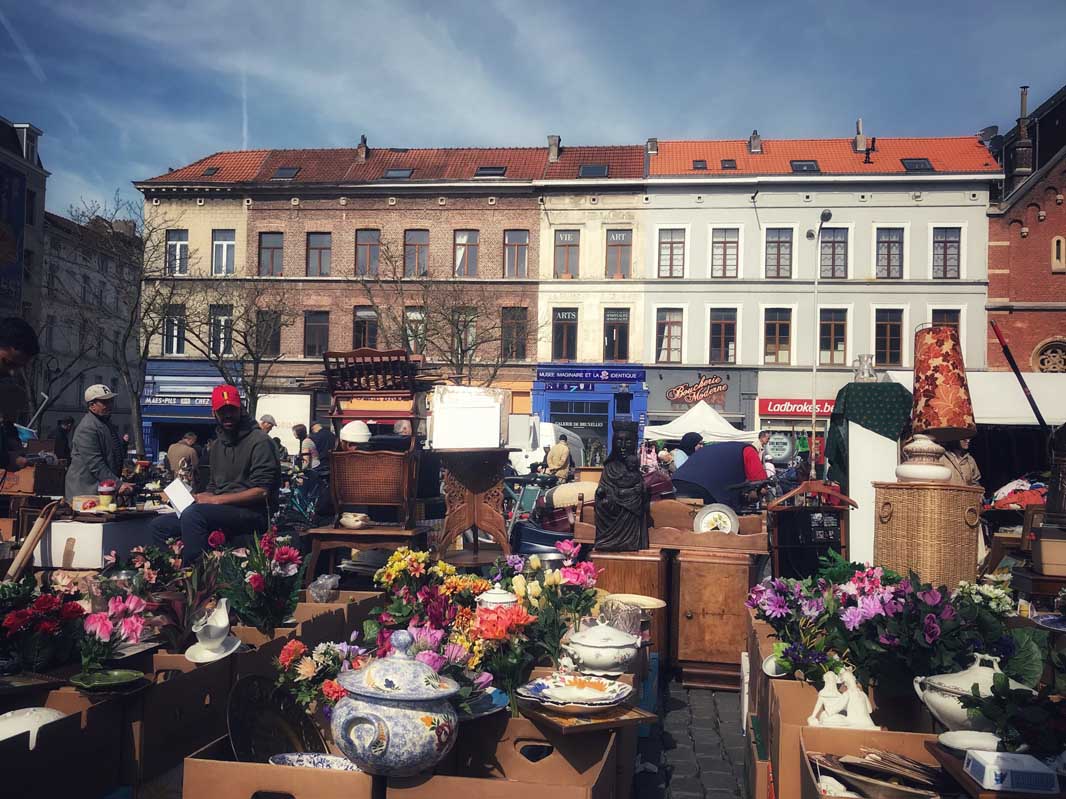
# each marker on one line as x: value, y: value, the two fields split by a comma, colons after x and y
x: 374, y: 479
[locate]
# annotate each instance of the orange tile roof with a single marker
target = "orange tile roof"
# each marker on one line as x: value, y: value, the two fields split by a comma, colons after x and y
x: 623, y: 161
x: 235, y: 166
x: 961, y: 154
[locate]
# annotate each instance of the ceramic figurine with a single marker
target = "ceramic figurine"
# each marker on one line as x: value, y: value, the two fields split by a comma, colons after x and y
x: 396, y: 719
x: 830, y: 703
x: 848, y: 709
x: 622, y: 500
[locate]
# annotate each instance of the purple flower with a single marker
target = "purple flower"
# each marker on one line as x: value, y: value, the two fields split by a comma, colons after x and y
x: 947, y: 613
x: 353, y: 636
x: 456, y: 653
x: 888, y: 639
x: 852, y: 618
x: 930, y: 597
x: 431, y: 659
x: 775, y: 607
x: 797, y: 590
x: 426, y: 637
x: 906, y: 587
x: 870, y: 606
x: 496, y: 577
x: 483, y: 680
x: 930, y: 628
x: 779, y: 585
x: 812, y: 608
x: 892, y: 607
x: 516, y: 562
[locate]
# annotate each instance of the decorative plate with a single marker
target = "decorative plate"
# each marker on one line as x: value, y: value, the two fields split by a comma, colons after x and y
x: 264, y: 722
x: 106, y: 678
x: 561, y: 688
x: 493, y: 700
x: 963, y: 741
x: 716, y: 518
x: 1051, y: 621
x: 313, y: 760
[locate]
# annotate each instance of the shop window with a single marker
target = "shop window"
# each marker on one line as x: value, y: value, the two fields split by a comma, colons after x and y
x: 723, y: 335
x: 890, y: 253
x: 514, y: 332
x: 619, y: 253
x: 616, y: 334
x: 777, y: 336
x: 564, y: 334
x: 888, y: 337
x: 668, y: 325
x: 567, y: 245
x: 1058, y: 254
x: 832, y: 336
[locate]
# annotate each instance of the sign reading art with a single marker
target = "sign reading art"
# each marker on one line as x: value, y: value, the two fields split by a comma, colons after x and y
x: 705, y: 388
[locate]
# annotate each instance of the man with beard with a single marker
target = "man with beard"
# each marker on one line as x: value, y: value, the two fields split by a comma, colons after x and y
x: 243, y: 488
x: 622, y: 502
x: 96, y: 450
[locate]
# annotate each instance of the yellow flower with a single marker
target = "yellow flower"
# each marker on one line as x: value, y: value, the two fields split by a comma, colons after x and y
x: 534, y: 562
x: 442, y: 569
x: 305, y: 669
x: 518, y: 585
x: 477, y: 652
x: 553, y: 577
x: 533, y: 589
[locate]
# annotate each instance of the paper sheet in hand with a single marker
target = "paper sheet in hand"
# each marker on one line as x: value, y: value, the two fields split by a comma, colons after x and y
x: 179, y: 496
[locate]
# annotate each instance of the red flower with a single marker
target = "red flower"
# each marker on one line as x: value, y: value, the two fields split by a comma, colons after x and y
x: 256, y: 581
x: 332, y: 690
x: 46, y: 603
x: 71, y: 610
x: 48, y: 626
x: 291, y: 652
x: 16, y: 620
x: 216, y: 539
x: 266, y: 543
x: 283, y: 555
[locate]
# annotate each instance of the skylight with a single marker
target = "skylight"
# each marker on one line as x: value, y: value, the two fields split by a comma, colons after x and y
x: 729, y: 163
x: 285, y: 172
x: 398, y: 173
x: 490, y: 172
x: 699, y: 164
x: 917, y: 164
x: 592, y: 171
x: 211, y: 170
x: 805, y: 166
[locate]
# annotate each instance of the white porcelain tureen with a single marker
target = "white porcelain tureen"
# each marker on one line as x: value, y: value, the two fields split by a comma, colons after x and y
x: 602, y: 649
x: 941, y: 693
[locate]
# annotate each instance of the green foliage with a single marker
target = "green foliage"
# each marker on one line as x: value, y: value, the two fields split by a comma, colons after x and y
x: 262, y: 583
x: 834, y: 569
x: 1021, y: 717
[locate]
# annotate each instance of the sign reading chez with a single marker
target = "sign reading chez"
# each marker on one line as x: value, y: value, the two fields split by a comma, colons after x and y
x: 706, y: 388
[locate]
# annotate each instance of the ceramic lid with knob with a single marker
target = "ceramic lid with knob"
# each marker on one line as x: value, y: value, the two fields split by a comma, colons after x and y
x: 496, y: 597
x: 398, y: 676
x: 603, y: 634
x: 961, y: 682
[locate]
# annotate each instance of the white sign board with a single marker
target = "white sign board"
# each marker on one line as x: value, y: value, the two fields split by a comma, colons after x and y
x: 779, y: 446
x: 288, y: 410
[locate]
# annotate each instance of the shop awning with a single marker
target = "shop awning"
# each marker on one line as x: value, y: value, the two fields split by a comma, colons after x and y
x: 998, y: 399
x: 703, y: 419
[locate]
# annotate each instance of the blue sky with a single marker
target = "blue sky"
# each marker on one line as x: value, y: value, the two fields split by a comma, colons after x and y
x: 122, y: 90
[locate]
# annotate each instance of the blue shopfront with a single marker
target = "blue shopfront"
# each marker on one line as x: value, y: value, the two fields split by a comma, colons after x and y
x: 587, y: 398
x: 177, y: 400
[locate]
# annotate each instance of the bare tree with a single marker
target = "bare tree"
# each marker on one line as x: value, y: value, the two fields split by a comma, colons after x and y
x: 236, y: 323
x: 144, y: 285
x: 471, y: 327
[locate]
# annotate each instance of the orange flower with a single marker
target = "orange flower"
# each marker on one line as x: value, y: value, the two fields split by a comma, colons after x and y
x: 497, y: 624
x: 292, y: 651
x: 331, y: 689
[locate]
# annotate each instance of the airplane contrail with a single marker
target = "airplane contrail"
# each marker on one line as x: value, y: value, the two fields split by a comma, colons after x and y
x: 23, y: 48
x: 244, y: 108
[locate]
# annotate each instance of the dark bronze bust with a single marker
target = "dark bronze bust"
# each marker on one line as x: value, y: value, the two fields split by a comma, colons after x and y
x: 622, y: 497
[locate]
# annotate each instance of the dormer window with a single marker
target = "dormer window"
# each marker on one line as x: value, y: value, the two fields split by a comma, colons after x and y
x: 805, y: 166
x: 699, y: 163
x: 729, y: 163
x: 490, y: 172
x: 398, y: 174
x: 209, y: 172
x: 592, y: 171
x: 31, y: 148
x: 285, y: 172
x: 917, y: 164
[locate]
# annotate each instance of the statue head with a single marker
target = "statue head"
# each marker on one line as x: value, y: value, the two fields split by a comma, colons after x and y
x: 624, y: 440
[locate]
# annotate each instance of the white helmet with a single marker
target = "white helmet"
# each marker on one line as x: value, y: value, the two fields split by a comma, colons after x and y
x: 355, y: 432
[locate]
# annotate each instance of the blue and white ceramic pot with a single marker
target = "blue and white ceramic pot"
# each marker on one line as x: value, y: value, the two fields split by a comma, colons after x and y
x: 396, y: 719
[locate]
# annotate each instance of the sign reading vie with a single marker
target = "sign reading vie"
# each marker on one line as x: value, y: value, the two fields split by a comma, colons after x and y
x: 707, y: 386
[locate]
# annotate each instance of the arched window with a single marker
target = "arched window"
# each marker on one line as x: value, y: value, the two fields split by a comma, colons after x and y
x: 1058, y: 254
x: 1051, y: 357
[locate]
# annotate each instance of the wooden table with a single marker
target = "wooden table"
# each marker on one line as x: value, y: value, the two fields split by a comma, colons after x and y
x: 473, y: 494
x: 380, y: 537
x: 952, y: 764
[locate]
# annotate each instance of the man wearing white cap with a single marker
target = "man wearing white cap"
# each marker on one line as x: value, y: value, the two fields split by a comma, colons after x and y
x: 97, y: 449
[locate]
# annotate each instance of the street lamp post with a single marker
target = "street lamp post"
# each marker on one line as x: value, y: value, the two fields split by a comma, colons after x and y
x: 825, y: 216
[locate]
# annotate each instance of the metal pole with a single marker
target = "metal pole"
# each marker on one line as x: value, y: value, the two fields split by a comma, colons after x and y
x: 1018, y: 374
x: 826, y: 215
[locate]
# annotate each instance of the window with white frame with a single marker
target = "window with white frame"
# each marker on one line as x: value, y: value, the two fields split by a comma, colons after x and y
x: 723, y: 322
x: 832, y: 336
x: 890, y: 253
x: 672, y: 252
x: 223, y: 252
x: 888, y: 337
x: 174, y: 330
x: 777, y: 336
x: 778, y: 252
x: 177, y: 262
x: 221, y: 320
x: 834, y: 252
x: 668, y: 328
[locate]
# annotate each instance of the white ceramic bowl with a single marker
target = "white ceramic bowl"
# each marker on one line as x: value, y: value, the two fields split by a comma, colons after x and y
x: 29, y: 719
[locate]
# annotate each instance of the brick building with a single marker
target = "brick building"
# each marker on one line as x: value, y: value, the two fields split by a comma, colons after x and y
x: 1027, y: 242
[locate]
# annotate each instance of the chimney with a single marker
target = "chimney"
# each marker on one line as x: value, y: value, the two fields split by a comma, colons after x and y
x: 553, y: 148
x: 860, y: 138
x: 653, y: 147
x: 755, y: 143
x: 127, y: 227
x: 361, y: 152
x: 1022, y: 151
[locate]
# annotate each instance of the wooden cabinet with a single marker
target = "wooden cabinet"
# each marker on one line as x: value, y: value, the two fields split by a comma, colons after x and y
x: 709, y: 620
x: 646, y: 572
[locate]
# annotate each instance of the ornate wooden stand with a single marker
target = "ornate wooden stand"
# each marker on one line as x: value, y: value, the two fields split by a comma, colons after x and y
x: 473, y: 493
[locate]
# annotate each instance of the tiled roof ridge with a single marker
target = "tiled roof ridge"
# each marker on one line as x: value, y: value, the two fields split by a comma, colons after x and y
x: 765, y: 140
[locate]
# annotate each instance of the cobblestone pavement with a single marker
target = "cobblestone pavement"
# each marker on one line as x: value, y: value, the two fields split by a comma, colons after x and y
x: 699, y: 748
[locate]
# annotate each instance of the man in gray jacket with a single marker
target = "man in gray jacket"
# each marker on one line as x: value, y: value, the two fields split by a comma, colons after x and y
x: 243, y: 489
x: 96, y: 450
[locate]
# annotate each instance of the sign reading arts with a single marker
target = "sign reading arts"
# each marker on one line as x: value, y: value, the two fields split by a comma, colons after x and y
x: 707, y: 387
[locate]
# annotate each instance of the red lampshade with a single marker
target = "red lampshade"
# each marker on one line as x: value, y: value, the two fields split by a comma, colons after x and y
x: 942, y: 407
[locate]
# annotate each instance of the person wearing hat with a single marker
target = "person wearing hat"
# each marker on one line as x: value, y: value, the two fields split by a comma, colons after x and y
x: 243, y: 488
x: 96, y: 449
x: 267, y: 423
x: 355, y: 436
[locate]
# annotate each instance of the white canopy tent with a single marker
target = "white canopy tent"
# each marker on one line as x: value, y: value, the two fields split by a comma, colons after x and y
x: 998, y: 399
x: 703, y: 419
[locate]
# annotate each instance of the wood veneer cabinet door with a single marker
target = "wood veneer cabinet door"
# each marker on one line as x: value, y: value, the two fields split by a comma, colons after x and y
x: 644, y: 572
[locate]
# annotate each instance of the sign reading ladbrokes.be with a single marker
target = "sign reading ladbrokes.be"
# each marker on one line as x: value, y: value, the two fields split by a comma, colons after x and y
x: 793, y: 407
x: 708, y: 387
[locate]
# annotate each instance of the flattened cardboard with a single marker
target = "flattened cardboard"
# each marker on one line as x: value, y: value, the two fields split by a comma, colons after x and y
x: 850, y: 742
x: 757, y: 772
x: 79, y: 755
x: 616, y: 718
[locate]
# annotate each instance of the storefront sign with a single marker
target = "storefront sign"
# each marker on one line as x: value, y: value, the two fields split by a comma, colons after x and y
x: 779, y: 446
x: 590, y: 374
x: 691, y: 393
x: 794, y: 407
x: 179, y: 401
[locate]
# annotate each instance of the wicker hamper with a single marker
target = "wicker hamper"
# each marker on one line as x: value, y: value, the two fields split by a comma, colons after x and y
x: 929, y: 528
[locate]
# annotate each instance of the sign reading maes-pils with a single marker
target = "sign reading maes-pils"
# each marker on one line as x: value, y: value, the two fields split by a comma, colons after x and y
x: 794, y: 407
x: 705, y: 388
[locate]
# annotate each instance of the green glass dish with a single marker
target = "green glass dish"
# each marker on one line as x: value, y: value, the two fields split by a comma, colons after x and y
x: 106, y: 678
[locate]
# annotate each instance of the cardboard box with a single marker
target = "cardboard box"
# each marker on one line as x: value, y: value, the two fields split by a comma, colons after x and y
x: 357, y: 606
x: 76, y: 756
x: 182, y: 710
x: 760, y: 646
x: 850, y: 742
x: 756, y: 764
x: 82, y: 545
x: 211, y: 772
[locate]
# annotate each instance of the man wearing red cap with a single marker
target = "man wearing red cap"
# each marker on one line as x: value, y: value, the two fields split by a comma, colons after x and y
x: 244, y: 482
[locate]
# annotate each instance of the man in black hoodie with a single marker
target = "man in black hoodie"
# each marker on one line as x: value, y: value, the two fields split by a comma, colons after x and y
x: 243, y: 489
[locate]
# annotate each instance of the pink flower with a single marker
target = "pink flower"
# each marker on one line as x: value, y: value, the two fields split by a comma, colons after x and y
x: 99, y: 625
x: 176, y: 546
x: 930, y: 628
x: 116, y: 607
x: 266, y: 544
x: 483, y: 680
x: 240, y: 552
x: 582, y: 575
x: 256, y: 581
x: 947, y: 613
x: 930, y: 597
x: 456, y: 654
x: 286, y: 554
x: 425, y: 637
x: 431, y: 659
x: 110, y: 559
x: 216, y: 539
x: 132, y: 627
x: 134, y: 604
x: 569, y: 547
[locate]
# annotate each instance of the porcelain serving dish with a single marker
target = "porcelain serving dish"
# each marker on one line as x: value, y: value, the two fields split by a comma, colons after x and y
x: 941, y: 693
x: 602, y: 649
x: 567, y: 688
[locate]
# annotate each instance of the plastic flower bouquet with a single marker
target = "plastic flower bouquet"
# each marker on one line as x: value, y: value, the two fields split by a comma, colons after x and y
x: 310, y: 676
x: 263, y: 583
x: 106, y: 631
x: 42, y: 630
x: 504, y: 633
